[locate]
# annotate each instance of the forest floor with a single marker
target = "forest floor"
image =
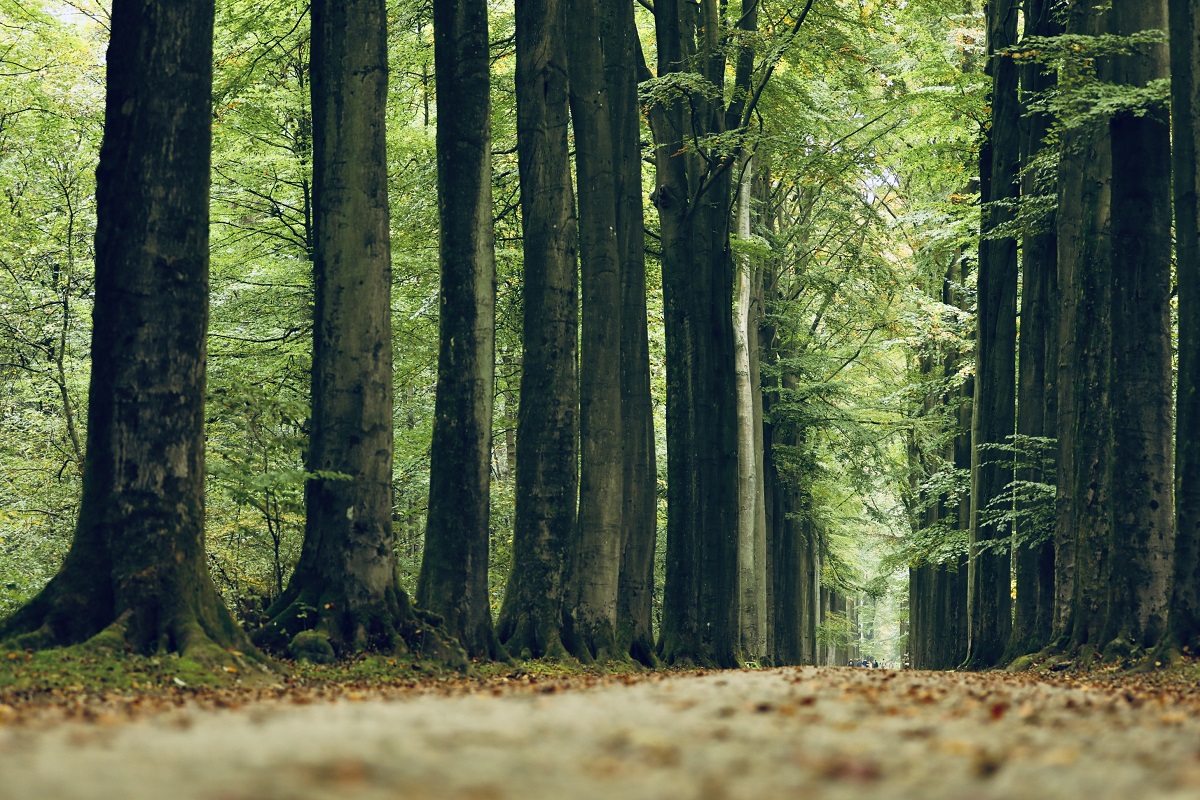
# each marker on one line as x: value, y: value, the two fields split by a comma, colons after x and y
x: 777, y: 733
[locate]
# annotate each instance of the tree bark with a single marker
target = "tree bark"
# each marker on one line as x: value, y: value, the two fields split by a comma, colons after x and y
x: 454, y: 569
x: 544, y: 541
x: 639, y: 516
x: 692, y: 195
x: 137, y: 572
x: 1143, y: 507
x: 597, y: 566
x: 751, y: 558
x: 1184, y: 618
x: 1083, y: 524
x: 1033, y: 564
x: 989, y: 611
x: 345, y: 595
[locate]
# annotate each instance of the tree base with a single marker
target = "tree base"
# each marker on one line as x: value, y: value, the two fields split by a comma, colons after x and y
x: 322, y: 626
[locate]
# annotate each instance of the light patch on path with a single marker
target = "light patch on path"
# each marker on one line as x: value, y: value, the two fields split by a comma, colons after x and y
x: 785, y: 733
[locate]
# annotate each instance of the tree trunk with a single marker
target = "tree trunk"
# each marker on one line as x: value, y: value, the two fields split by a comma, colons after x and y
x: 1083, y: 522
x: 989, y: 611
x: 692, y: 195
x: 1143, y: 507
x: 1033, y: 563
x: 639, y: 517
x: 137, y: 572
x: 597, y: 565
x: 454, y: 567
x: 346, y: 587
x: 751, y: 561
x: 1185, y: 82
x: 544, y: 540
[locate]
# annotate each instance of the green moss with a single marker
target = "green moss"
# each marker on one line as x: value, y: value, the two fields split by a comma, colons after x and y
x: 91, y: 669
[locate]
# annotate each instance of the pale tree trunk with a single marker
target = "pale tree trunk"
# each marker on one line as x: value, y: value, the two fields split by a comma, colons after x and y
x: 531, y: 617
x: 1185, y: 87
x: 1143, y: 505
x: 454, y: 568
x: 597, y: 565
x: 136, y: 575
x: 751, y: 562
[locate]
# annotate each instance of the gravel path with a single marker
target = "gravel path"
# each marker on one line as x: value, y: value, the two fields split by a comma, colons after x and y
x: 794, y: 733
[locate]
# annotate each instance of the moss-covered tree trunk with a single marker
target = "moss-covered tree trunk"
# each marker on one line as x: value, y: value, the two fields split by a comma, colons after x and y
x: 531, y: 618
x: 345, y: 594
x: 593, y: 611
x: 1184, y: 617
x: 639, y: 516
x: 454, y: 567
x: 989, y: 611
x: 1143, y: 503
x: 1033, y: 562
x: 137, y: 570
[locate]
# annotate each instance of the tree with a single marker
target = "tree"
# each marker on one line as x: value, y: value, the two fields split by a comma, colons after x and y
x: 136, y: 574
x: 693, y: 192
x: 1184, y: 616
x: 639, y: 516
x: 1143, y: 507
x: 1083, y: 523
x: 454, y: 570
x: 345, y: 594
x: 593, y: 610
x: 544, y: 539
x: 994, y: 418
x: 1033, y: 550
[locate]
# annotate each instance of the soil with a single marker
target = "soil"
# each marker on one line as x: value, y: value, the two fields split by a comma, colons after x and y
x: 794, y: 733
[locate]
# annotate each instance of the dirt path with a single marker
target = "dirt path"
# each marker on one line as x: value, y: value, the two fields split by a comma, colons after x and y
x: 811, y: 733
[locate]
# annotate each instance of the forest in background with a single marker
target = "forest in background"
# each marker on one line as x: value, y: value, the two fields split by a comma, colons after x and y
x: 857, y: 247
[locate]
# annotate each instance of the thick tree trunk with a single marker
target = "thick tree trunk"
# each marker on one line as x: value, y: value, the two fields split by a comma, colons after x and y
x: 1083, y: 524
x: 1185, y: 82
x: 995, y: 378
x: 1143, y: 507
x: 544, y: 543
x: 597, y: 565
x: 699, y: 604
x: 1033, y: 563
x: 346, y: 585
x: 454, y: 567
x: 137, y: 572
x: 639, y: 517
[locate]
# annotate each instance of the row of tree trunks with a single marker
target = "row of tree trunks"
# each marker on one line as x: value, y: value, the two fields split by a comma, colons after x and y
x: 989, y: 609
x: 1033, y: 563
x: 1115, y: 403
x: 1184, y: 618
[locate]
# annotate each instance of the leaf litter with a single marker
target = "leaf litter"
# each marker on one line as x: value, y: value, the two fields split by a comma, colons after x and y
x: 790, y: 732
